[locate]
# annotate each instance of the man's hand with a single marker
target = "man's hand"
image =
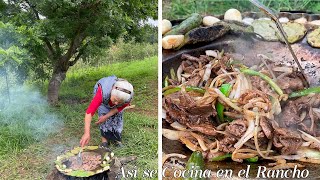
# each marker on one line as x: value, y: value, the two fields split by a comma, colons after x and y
x: 101, y: 120
x: 85, y: 139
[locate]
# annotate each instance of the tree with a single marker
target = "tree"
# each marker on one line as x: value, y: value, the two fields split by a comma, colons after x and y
x: 13, y: 59
x: 72, y: 29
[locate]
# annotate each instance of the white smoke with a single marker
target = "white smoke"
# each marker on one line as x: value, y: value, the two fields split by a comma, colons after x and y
x: 28, y: 111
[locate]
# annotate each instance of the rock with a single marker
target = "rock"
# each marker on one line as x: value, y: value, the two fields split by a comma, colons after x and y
x: 294, y: 31
x: 248, y: 20
x: 166, y: 26
x: 265, y: 18
x: 209, y: 20
x: 315, y: 22
x: 266, y: 28
x: 233, y: 14
x: 172, y: 41
x: 283, y: 20
x: 313, y: 38
x: 301, y: 20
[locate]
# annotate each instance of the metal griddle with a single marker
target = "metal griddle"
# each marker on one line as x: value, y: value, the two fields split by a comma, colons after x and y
x: 245, y: 47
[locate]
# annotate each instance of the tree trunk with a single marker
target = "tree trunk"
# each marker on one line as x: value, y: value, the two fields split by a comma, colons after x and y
x: 58, y: 76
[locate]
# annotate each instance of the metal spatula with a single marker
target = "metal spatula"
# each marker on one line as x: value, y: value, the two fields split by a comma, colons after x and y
x: 79, y: 157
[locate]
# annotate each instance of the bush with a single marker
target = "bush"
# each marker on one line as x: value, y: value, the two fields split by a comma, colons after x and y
x: 127, y: 51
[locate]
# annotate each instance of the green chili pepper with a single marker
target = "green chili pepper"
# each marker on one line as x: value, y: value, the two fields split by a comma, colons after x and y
x: 188, y: 88
x: 225, y: 89
x: 305, y: 92
x: 195, y: 162
x: 166, y: 81
x: 172, y: 74
x: 252, y: 160
x: 264, y: 77
x: 222, y: 157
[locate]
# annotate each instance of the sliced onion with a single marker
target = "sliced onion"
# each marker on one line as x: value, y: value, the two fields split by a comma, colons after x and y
x: 189, y: 144
x: 275, y: 105
x: 178, y: 126
x: 167, y: 156
x: 207, y: 72
x: 308, y: 137
x: 306, y: 144
x: 227, y: 100
x: 186, y: 75
x: 216, y: 149
x: 247, y: 135
x: 164, y: 113
x: 255, y: 137
x: 221, y: 76
x: 238, y: 155
x: 173, y: 135
x: 213, y: 145
x: 212, y: 53
x: 283, y: 69
x: 314, y: 161
x: 200, y: 141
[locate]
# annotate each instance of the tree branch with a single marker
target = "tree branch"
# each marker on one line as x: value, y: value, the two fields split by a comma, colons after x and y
x: 74, y: 45
x: 71, y: 63
x: 49, y: 47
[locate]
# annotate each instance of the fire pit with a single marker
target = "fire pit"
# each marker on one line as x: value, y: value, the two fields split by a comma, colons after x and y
x: 94, y: 161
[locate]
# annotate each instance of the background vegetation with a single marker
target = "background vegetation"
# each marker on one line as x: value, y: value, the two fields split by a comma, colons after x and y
x: 176, y: 9
x: 74, y: 43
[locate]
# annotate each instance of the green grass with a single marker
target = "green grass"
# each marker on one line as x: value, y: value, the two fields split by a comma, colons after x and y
x: 176, y: 9
x: 26, y: 156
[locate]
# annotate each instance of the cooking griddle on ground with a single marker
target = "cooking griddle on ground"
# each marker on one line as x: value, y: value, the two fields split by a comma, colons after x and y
x: 69, y: 165
x: 245, y: 48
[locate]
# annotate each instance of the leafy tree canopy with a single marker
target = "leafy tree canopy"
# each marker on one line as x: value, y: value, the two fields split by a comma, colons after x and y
x: 59, y: 32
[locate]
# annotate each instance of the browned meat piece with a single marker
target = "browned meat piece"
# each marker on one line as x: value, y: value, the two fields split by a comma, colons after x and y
x: 226, y: 144
x: 259, y: 84
x: 90, y: 161
x: 290, y: 84
x: 266, y: 127
x: 205, y: 128
x: 290, y: 115
x: 173, y: 82
x: 305, y: 101
x: 287, y: 141
x: 205, y: 59
x: 194, y: 80
x: 187, y: 67
x: 186, y: 111
x: 237, y: 127
x: 202, y: 59
x: 189, y: 57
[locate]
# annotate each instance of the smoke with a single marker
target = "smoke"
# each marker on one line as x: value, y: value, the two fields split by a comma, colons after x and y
x: 28, y: 113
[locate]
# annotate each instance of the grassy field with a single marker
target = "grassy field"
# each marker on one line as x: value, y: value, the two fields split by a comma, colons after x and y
x: 28, y: 153
x: 175, y: 9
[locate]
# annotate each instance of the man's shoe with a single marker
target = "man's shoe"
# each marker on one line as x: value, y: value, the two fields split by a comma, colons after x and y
x: 118, y: 144
x: 105, y: 146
